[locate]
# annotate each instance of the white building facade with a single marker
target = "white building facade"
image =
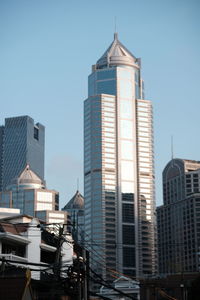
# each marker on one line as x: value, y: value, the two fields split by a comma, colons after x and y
x: 28, y: 193
x: 22, y: 241
x: 119, y: 166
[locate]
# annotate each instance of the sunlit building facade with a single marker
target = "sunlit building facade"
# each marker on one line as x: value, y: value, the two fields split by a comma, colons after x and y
x: 21, y: 143
x: 28, y: 193
x: 119, y: 167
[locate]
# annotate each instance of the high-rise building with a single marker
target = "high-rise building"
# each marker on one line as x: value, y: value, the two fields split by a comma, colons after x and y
x: 119, y: 166
x: 179, y: 218
x: 21, y: 143
x: 1, y: 154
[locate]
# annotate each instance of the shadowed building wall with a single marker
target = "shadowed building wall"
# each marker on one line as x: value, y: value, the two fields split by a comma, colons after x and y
x: 21, y: 143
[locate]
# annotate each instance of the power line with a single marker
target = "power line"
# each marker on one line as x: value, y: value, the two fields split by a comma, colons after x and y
x: 100, y: 296
x: 104, y: 283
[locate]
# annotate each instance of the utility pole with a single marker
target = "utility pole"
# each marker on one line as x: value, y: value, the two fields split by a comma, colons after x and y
x: 57, y: 266
x: 86, y: 274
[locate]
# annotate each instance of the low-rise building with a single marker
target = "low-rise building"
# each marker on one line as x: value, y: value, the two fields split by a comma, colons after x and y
x: 172, y: 287
x: 121, y: 287
x: 27, y: 242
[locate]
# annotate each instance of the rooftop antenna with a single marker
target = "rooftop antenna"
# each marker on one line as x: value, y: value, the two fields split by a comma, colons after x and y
x: 172, y: 147
x: 77, y: 184
x: 115, y: 33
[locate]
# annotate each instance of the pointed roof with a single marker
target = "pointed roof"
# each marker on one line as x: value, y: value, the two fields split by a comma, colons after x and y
x: 27, y: 176
x: 117, y: 54
x: 77, y: 202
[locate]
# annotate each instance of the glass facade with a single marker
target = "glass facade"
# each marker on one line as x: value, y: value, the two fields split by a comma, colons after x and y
x: 28, y: 193
x: 22, y: 142
x: 119, y: 179
x: 29, y: 200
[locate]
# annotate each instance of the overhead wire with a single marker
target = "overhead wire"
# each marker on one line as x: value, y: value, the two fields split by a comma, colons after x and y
x: 100, y: 296
x: 104, y: 263
x: 104, y: 283
x: 51, y: 266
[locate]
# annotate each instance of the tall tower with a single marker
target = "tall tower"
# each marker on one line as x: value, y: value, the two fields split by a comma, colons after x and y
x: 21, y: 143
x: 119, y: 167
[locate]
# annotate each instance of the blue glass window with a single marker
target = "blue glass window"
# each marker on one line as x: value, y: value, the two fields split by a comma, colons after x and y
x: 106, y: 74
x: 106, y: 87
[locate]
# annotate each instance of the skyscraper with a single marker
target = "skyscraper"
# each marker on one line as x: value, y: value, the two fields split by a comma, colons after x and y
x: 21, y: 143
x: 119, y: 166
x: 179, y: 218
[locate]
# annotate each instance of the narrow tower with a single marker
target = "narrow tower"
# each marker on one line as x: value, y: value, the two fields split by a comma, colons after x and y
x: 119, y: 167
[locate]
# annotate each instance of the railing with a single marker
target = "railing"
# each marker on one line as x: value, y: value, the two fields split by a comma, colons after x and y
x: 12, y: 256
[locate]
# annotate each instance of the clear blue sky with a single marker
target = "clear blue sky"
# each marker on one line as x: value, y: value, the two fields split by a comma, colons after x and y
x: 47, y: 48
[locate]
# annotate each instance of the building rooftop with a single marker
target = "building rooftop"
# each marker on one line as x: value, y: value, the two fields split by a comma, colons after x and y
x: 27, y: 177
x: 117, y: 54
x: 13, y: 228
x: 77, y: 202
x: 178, y: 166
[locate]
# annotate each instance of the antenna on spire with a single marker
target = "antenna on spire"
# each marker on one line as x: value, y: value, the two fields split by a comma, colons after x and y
x: 77, y: 184
x: 172, y: 147
x: 115, y: 33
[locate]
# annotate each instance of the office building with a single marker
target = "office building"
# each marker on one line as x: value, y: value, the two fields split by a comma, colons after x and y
x: 179, y: 218
x: 21, y: 143
x: 1, y: 154
x: 119, y: 167
x: 28, y: 193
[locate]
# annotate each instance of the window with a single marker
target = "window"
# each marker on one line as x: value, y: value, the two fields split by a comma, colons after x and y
x: 127, y: 172
x: 44, y: 196
x: 108, y: 114
x: 128, y: 213
x: 128, y: 235
x: 47, y: 257
x: 128, y: 197
x: 44, y: 206
x: 36, y: 133
x: 143, y: 114
x: 13, y: 248
x: 128, y: 257
x: 126, y: 109
x: 127, y: 149
x: 126, y: 129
